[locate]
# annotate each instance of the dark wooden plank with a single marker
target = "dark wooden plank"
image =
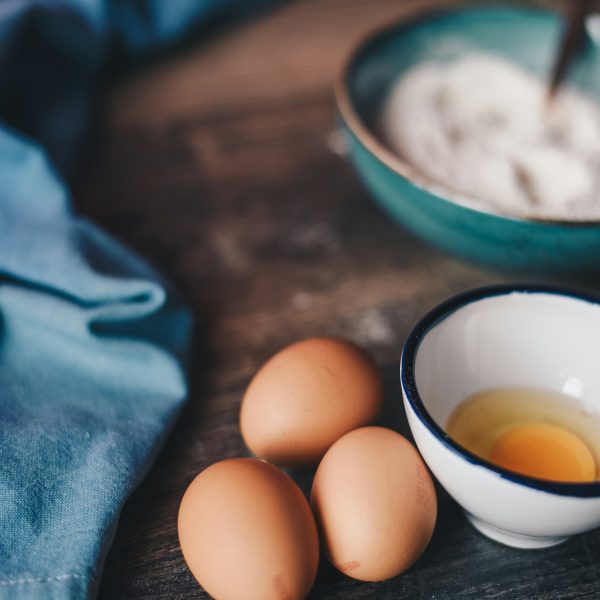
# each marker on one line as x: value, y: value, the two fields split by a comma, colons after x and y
x: 294, y: 51
x: 216, y: 164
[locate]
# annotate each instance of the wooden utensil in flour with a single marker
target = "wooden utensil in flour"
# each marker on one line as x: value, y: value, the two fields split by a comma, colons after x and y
x: 572, y: 42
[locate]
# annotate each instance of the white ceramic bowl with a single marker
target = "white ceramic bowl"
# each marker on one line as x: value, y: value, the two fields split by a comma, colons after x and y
x: 497, y: 337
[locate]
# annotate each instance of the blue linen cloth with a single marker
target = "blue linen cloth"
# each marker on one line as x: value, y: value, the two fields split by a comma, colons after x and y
x: 92, y: 340
x: 91, y: 351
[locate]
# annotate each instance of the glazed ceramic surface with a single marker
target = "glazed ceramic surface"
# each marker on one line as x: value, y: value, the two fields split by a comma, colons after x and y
x: 525, y: 36
x: 504, y: 337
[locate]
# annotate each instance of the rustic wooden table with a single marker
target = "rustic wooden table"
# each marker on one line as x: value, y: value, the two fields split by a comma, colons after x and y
x: 218, y: 164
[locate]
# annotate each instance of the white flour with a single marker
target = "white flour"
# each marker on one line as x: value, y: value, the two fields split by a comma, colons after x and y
x: 480, y: 126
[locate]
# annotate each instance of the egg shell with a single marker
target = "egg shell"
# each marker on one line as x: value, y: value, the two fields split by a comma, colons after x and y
x: 375, y: 504
x: 306, y: 397
x: 247, y: 532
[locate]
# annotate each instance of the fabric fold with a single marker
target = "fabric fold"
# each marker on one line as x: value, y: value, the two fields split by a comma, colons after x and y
x: 92, y: 351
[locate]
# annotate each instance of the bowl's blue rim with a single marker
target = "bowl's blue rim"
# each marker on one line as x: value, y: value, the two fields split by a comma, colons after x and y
x: 409, y: 386
x: 371, y: 143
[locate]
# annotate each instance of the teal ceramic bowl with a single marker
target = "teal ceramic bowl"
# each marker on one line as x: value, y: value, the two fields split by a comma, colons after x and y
x: 526, y: 36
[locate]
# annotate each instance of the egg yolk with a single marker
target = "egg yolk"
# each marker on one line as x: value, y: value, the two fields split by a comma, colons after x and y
x: 544, y: 451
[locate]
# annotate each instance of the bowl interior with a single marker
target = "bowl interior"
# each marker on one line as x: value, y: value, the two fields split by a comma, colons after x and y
x: 525, y: 36
x: 519, y: 339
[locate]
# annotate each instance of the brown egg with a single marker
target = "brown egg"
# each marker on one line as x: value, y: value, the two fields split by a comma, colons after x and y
x: 306, y: 397
x: 247, y: 532
x: 375, y: 504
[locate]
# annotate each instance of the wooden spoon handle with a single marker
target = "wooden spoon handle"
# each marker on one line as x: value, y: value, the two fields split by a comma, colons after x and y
x: 571, y: 43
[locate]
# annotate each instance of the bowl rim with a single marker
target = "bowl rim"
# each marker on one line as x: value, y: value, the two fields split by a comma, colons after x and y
x: 351, y: 116
x: 411, y: 393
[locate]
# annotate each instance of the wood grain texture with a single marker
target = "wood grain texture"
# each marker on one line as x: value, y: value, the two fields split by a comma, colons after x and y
x: 216, y: 164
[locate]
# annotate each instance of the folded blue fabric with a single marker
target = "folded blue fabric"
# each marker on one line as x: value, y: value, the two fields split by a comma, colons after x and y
x: 92, y: 340
x: 91, y: 353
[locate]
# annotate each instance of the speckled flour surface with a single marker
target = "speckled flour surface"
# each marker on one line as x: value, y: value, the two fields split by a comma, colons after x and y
x: 481, y: 127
